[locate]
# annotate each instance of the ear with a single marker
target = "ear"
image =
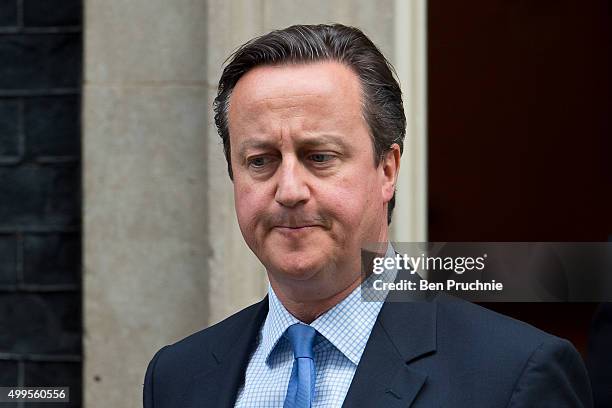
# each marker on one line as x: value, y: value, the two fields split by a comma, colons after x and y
x: 389, y: 166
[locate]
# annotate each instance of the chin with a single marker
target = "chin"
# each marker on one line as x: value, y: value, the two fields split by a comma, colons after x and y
x: 296, y: 266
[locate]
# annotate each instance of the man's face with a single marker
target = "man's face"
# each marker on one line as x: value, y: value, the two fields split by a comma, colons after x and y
x: 307, y: 191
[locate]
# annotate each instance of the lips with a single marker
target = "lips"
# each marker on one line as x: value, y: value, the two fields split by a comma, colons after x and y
x: 295, y: 228
x: 294, y: 222
x: 292, y: 230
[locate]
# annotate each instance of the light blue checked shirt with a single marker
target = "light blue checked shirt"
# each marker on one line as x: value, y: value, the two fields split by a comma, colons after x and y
x: 344, y: 331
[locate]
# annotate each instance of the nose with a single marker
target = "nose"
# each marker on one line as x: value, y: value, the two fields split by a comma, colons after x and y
x: 292, y: 188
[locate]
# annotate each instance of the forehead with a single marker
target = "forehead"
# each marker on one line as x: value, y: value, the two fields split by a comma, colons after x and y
x: 325, y: 89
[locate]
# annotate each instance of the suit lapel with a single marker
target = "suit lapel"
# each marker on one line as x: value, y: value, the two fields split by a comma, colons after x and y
x: 218, y: 387
x: 403, y: 333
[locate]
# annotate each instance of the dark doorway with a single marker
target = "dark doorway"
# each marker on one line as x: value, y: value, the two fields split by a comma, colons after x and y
x: 519, y: 130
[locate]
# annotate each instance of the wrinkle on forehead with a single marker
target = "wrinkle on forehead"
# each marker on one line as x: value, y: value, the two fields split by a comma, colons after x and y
x: 292, y: 104
x: 311, y: 78
x: 312, y: 97
x: 326, y: 78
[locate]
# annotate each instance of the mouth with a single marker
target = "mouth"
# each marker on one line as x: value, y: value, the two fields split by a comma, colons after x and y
x: 295, y: 227
x: 286, y: 229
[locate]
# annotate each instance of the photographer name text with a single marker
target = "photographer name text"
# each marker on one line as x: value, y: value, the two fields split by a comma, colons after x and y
x: 448, y: 285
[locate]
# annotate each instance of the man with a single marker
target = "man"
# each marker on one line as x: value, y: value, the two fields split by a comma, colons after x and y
x: 312, y: 126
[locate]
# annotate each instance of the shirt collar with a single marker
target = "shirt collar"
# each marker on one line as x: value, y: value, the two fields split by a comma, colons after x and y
x: 276, y: 323
x: 347, y: 326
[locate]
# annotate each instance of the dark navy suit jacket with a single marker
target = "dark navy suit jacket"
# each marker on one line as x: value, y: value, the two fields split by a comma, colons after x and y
x: 443, y: 352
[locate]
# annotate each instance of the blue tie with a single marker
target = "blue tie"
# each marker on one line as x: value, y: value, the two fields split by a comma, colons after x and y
x: 300, y: 391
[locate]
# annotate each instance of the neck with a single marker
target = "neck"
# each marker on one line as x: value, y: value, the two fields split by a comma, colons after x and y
x: 309, y: 311
x: 309, y: 300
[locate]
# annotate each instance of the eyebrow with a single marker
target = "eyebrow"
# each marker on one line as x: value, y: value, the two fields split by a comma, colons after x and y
x: 308, y: 141
x: 254, y: 144
x: 320, y: 140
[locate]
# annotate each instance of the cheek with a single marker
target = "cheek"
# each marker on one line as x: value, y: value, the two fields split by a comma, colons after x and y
x: 349, y: 198
x: 249, y: 203
x: 363, y: 202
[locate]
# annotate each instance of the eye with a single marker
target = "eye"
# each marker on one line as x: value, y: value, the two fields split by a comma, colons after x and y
x: 321, y: 157
x: 259, y: 162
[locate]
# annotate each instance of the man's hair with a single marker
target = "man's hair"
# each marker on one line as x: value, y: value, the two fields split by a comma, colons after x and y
x: 302, y: 44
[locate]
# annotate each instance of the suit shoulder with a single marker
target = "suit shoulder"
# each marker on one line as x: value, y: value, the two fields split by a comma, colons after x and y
x: 173, y: 367
x: 488, y: 328
x: 500, y: 361
x: 222, y: 329
x: 196, y: 350
x: 526, y: 362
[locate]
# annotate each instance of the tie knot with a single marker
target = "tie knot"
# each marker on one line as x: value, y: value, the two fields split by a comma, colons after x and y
x: 301, y: 338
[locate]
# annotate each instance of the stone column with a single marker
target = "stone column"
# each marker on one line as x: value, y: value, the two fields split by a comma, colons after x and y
x: 410, y: 60
x: 146, y: 206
